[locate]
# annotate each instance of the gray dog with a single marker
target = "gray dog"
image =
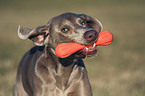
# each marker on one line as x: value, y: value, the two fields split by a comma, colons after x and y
x: 42, y: 73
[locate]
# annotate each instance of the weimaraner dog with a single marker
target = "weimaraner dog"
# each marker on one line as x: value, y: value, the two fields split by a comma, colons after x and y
x: 42, y: 73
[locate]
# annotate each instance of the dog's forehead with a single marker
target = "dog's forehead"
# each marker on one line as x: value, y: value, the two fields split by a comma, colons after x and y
x: 68, y: 15
x: 65, y: 17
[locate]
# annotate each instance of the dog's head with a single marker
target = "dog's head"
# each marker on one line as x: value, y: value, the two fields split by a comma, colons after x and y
x: 67, y: 27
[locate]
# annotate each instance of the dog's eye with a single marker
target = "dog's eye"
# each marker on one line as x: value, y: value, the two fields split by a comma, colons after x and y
x: 82, y: 22
x: 64, y: 30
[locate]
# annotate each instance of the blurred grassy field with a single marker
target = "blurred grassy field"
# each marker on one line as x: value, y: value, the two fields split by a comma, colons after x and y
x: 118, y: 70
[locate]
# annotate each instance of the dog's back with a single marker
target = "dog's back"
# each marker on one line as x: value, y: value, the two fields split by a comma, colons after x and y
x: 24, y: 71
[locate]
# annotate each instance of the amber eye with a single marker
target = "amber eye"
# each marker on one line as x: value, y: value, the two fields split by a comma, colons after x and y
x: 82, y: 22
x: 64, y: 30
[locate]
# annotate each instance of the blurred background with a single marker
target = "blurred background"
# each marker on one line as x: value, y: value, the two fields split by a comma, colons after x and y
x: 118, y: 70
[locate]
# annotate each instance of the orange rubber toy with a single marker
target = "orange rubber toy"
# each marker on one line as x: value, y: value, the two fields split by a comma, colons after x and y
x: 64, y: 50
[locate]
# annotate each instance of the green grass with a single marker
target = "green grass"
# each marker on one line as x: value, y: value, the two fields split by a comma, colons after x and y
x: 119, y: 68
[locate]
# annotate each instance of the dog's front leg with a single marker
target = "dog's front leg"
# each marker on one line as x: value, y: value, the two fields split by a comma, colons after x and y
x: 42, y: 88
x: 82, y: 88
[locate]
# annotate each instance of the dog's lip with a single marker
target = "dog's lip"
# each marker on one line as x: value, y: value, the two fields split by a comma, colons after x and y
x: 87, y: 51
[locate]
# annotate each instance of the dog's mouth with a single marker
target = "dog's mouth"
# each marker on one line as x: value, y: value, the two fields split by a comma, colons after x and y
x: 64, y: 50
x: 87, y: 51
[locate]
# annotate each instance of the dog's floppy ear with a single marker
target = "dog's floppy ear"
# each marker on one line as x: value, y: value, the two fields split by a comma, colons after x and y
x: 38, y: 35
x: 92, y: 22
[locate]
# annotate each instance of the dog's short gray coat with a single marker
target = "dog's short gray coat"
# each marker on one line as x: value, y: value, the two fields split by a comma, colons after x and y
x: 41, y: 72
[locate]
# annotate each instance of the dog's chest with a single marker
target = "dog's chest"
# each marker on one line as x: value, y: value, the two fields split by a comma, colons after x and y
x: 75, y: 77
x: 58, y: 88
x: 60, y: 82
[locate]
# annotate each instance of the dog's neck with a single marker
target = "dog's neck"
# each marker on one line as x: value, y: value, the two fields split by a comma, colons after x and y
x: 62, y: 67
x: 64, y: 62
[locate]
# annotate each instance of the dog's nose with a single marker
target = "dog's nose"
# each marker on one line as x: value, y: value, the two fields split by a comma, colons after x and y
x: 90, y: 36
